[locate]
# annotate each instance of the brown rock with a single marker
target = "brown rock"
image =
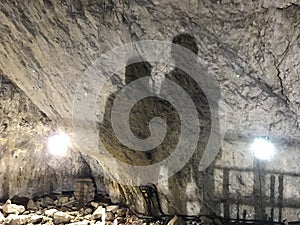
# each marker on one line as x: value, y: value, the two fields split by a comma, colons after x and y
x: 206, y: 220
x: 84, y: 190
x: 121, y: 220
x: 61, y: 217
x: 48, y: 202
x: 122, y: 212
x: 31, y: 205
x: 176, y: 221
x: 109, y: 216
x: 62, y: 200
x: 88, y: 211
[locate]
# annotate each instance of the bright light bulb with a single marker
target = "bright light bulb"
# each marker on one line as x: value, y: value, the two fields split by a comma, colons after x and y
x: 262, y: 148
x: 58, y: 144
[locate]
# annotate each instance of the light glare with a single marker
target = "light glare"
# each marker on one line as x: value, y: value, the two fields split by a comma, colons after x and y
x: 58, y: 144
x: 262, y: 148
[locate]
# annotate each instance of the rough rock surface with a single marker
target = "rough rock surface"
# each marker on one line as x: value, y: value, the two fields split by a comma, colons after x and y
x: 74, y: 214
x: 61, y: 217
x: 8, y: 208
x: 27, y: 168
x: 251, y: 46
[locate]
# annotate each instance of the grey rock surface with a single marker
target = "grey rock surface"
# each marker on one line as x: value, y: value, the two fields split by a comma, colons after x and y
x: 252, y: 47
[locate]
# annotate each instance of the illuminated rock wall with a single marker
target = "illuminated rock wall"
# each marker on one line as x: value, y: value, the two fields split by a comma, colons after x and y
x: 251, y: 46
x: 27, y: 167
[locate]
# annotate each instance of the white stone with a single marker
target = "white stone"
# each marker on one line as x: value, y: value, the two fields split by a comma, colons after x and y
x: 112, y: 208
x: 95, y: 204
x: 50, y: 212
x: 15, y: 219
x: 85, y: 222
x: 49, y: 223
x: 97, y: 213
x: 36, y: 219
x: 2, y: 218
x: 9, y: 208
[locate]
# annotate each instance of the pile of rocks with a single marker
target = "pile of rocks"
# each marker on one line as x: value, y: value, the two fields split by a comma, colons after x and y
x: 65, y: 210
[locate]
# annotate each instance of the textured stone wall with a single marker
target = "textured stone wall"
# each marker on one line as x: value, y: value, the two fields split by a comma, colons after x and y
x: 251, y: 46
x: 27, y: 167
x: 244, y: 182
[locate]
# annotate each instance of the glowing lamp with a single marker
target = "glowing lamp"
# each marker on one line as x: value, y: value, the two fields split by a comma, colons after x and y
x: 262, y: 148
x: 58, y: 144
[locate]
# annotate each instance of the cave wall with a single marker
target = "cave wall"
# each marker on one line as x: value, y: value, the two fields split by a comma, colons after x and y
x: 27, y: 167
x: 257, y: 186
x: 251, y: 46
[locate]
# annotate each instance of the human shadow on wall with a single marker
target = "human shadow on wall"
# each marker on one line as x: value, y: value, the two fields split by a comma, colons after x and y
x: 133, y: 71
x: 179, y: 199
x: 199, y: 185
x: 140, y: 115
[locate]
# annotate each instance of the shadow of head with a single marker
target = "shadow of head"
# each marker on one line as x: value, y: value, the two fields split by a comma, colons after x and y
x: 186, y: 41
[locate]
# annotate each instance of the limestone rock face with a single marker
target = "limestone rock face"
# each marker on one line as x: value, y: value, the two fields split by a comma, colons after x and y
x: 253, y: 49
x: 27, y: 167
x: 254, y: 55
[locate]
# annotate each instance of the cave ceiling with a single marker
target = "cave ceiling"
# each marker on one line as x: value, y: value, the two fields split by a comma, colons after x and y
x: 252, y: 47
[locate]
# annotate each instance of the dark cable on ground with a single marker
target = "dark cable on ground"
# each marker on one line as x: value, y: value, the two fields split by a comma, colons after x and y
x: 149, y: 192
